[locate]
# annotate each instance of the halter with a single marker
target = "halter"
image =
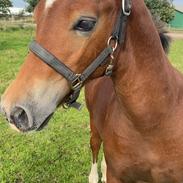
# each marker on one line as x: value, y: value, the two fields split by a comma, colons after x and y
x: 77, y: 80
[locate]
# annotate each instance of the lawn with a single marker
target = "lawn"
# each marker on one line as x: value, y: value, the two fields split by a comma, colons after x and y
x: 60, y: 153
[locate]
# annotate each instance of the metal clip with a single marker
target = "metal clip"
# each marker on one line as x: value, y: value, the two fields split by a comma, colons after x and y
x: 110, y: 67
x: 127, y: 13
x: 109, y: 70
x: 113, y: 43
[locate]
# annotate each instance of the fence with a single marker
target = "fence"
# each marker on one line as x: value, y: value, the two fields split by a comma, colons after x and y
x: 13, y: 23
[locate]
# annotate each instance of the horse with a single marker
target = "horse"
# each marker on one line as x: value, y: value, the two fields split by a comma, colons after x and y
x: 93, y: 92
x: 142, y: 122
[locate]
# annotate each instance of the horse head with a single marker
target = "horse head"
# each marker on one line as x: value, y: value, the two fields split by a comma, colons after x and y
x: 74, y: 32
x: 82, y: 34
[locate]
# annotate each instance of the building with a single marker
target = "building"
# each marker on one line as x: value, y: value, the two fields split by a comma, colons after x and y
x: 177, y: 22
x: 17, y: 11
x: 14, y: 11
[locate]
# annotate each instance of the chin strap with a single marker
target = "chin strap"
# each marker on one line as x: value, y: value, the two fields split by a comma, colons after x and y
x: 77, y: 80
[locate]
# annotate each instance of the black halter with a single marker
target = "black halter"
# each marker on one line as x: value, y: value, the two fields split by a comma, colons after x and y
x: 77, y: 80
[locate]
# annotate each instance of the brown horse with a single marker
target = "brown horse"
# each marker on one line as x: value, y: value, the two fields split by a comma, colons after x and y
x: 94, y: 99
x: 141, y: 122
x: 137, y: 114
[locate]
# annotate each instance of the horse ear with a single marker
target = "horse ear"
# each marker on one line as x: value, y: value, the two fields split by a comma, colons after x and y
x: 38, y: 10
x: 35, y: 14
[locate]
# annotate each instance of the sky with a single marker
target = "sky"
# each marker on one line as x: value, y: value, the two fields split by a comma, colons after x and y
x: 21, y: 3
x: 179, y: 2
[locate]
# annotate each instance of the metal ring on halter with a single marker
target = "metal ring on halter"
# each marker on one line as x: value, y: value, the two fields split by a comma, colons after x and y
x: 109, y: 43
x: 127, y: 13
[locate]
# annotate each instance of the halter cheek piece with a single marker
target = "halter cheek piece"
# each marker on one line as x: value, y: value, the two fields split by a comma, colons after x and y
x: 77, y: 80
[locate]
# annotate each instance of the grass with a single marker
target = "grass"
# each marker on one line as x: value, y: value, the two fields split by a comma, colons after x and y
x: 176, y: 54
x: 60, y: 153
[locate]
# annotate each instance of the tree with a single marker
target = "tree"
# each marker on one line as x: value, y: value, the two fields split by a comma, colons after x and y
x: 4, y: 6
x: 31, y: 4
x: 162, y: 9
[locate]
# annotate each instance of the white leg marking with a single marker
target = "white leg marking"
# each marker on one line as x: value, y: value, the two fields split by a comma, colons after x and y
x: 104, y: 170
x: 49, y: 3
x: 93, y: 177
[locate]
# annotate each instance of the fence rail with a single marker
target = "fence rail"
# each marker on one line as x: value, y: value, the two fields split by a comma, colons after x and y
x: 15, y: 23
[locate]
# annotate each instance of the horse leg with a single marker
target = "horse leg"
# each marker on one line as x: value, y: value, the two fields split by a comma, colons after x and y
x: 95, y: 143
x: 104, y: 170
x: 111, y: 178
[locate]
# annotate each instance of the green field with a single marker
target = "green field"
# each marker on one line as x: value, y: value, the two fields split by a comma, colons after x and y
x: 60, y: 153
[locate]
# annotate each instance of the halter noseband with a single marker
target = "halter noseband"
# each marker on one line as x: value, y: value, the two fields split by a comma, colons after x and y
x: 77, y: 80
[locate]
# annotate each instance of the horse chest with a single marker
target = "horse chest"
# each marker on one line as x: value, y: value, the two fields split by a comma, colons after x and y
x: 135, y: 161
x: 153, y: 158
x: 132, y: 168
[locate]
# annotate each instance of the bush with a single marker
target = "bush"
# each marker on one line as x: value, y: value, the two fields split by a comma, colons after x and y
x: 162, y: 9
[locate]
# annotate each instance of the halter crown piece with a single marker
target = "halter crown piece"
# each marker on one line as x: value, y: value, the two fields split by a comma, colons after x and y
x: 77, y: 80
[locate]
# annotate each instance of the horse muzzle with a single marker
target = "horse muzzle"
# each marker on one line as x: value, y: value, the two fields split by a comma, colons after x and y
x: 23, y: 118
x: 31, y: 109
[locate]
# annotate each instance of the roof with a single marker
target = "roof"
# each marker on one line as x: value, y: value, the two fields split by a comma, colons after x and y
x: 179, y: 8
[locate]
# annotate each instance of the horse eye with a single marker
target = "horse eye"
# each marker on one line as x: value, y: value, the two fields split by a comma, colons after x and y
x: 85, y: 25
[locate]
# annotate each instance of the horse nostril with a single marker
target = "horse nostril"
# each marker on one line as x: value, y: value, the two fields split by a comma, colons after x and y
x: 19, y: 118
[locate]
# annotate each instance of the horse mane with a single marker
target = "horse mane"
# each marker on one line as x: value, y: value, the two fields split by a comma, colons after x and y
x: 165, y: 39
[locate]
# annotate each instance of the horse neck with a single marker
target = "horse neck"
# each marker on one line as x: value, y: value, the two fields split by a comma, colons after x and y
x: 143, y: 78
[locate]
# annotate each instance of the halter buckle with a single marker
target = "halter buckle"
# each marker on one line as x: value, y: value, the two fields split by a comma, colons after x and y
x: 127, y: 13
x: 77, y: 82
